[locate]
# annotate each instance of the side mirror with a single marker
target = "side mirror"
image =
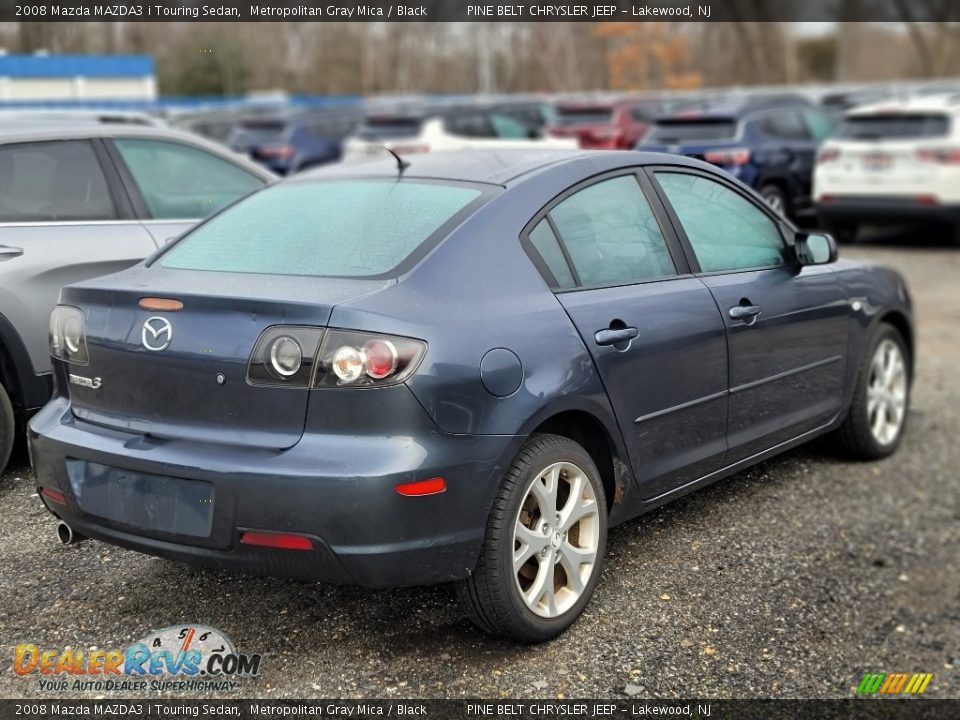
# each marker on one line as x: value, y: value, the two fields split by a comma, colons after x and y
x: 815, y: 248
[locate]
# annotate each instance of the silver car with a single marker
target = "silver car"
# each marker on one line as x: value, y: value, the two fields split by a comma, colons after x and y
x: 78, y: 200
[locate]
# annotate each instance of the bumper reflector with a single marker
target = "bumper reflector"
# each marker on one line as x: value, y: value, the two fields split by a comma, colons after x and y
x: 54, y: 495
x: 283, y: 541
x: 422, y: 487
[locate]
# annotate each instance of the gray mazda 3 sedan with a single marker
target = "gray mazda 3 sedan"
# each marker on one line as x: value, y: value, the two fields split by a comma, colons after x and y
x: 465, y: 368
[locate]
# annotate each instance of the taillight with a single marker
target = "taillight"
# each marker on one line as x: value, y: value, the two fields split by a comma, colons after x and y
x: 943, y: 156
x: 731, y: 156
x: 284, y: 152
x: 68, y: 339
x: 283, y: 356
x: 356, y: 359
x: 828, y: 154
x: 297, y: 356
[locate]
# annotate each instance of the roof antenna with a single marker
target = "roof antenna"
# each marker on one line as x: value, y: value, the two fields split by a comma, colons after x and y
x: 401, y: 163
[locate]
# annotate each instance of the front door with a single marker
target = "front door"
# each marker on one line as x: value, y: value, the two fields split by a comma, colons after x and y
x: 786, y: 324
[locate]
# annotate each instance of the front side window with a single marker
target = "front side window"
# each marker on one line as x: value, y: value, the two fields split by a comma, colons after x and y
x: 183, y: 182
x: 508, y: 127
x: 612, y: 235
x: 726, y: 231
x: 53, y: 181
x: 346, y: 228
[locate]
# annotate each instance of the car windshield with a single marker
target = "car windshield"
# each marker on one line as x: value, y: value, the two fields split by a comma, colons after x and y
x: 584, y: 116
x: 679, y: 131
x: 389, y: 127
x: 342, y: 228
x: 893, y: 126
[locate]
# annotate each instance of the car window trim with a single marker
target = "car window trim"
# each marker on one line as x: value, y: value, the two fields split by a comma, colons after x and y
x: 694, y: 263
x: 679, y: 260
x: 123, y: 208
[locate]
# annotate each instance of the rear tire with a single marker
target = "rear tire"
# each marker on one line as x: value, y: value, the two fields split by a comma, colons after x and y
x: 537, y: 572
x: 8, y: 428
x: 878, y: 413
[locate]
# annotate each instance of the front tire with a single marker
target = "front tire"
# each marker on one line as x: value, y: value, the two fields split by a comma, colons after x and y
x: 874, y: 425
x: 8, y: 427
x: 544, y: 544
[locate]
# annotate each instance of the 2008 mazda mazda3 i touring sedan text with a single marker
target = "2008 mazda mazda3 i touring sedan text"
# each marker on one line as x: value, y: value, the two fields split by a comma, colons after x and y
x: 465, y: 369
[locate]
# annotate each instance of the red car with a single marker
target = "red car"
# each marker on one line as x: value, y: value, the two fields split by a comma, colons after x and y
x: 606, y: 125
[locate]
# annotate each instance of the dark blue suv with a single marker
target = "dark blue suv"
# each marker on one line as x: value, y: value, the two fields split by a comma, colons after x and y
x: 289, y: 143
x: 767, y: 142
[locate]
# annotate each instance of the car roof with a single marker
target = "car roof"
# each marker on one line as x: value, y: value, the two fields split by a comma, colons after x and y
x: 947, y: 102
x: 503, y: 167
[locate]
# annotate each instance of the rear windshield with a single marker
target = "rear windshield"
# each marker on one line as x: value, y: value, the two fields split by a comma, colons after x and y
x: 392, y: 127
x: 584, y: 116
x: 344, y: 228
x: 673, y: 132
x: 894, y: 126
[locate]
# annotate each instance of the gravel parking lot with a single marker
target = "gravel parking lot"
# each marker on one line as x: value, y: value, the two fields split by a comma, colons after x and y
x: 791, y: 579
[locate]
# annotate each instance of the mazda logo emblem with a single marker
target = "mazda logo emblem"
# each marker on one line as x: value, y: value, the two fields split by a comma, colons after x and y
x: 156, y: 334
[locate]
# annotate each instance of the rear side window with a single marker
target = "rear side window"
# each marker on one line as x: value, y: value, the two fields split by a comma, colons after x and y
x: 726, y: 230
x: 894, y: 126
x: 612, y: 235
x: 548, y: 247
x: 59, y: 180
x: 182, y: 182
x: 348, y: 228
x: 476, y: 125
x: 674, y: 132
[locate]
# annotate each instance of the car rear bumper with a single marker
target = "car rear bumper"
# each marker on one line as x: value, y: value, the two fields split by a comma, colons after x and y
x: 885, y: 210
x: 340, y: 491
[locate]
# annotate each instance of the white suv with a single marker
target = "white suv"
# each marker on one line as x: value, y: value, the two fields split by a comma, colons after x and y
x: 894, y: 162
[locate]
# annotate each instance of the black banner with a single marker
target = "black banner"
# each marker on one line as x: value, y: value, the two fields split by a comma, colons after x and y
x: 477, y: 11
x: 852, y: 709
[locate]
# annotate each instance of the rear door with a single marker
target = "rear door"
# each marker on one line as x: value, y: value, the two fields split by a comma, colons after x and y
x: 790, y: 147
x: 654, y: 331
x: 786, y: 323
x: 63, y: 218
x: 174, y: 185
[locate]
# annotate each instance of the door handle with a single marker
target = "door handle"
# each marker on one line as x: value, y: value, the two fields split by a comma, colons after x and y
x: 6, y: 251
x: 614, y: 336
x: 745, y: 312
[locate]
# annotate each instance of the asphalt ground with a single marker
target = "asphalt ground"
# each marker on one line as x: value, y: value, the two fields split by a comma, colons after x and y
x: 791, y: 579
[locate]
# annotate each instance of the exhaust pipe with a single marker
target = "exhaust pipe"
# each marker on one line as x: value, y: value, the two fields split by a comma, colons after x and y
x: 67, y: 536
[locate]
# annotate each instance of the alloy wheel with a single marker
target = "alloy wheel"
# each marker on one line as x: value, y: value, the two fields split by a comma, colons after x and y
x: 886, y: 392
x: 555, y: 539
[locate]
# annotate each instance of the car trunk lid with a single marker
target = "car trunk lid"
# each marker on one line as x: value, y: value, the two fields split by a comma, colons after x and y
x: 183, y: 374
